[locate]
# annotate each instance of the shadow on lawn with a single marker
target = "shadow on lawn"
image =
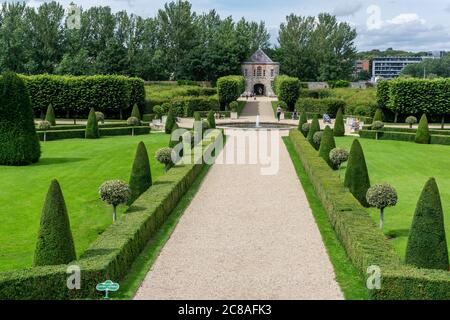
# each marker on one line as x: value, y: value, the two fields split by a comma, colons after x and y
x: 52, y: 161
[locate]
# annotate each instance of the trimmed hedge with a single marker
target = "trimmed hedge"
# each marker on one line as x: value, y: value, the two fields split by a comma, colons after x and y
x: 80, y: 133
x: 186, y: 106
x: 363, y: 241
x: 402, y: 136
x: 114, y: 251
x: 408, y: 130
x: 75, y: 96
x: 329, y: 106
x: 230, y: 89
x: 287, y: 89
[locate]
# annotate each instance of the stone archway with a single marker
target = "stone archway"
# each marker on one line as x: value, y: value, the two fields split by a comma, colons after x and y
x: 259, y: 89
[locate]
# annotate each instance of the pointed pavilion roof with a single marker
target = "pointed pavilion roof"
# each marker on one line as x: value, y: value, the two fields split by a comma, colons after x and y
x: 260, y: 57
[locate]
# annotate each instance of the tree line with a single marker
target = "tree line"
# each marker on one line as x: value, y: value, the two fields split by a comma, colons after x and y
x: 177, y: 43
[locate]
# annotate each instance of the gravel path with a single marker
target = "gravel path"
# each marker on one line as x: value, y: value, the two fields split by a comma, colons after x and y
x: 245, y: 236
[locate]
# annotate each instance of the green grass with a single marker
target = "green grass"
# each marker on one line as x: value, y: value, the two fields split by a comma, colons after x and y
x: 166, y: 91
x: 145, y: 260
x: 350, y: 281
x: 80, y: 166
x: 407, y: 167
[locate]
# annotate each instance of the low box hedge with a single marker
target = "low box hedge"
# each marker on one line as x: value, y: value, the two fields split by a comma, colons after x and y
x: 52, y: 135
x: 402, y: 136
x: 114, y: 251
x: 365, y: 244
x: 413, y: 130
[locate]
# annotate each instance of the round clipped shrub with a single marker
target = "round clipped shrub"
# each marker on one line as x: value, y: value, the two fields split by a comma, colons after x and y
x: 305, y: 128
x: 115, y: 193
x: 133, y: 122
x: 92, y: 131
x: 55, y: 244
x: 170, y: 121
x: 326, y: 145
x: 317, y: 138
x: 315, y: 127
x: 19, y: 143
x: 381, y: 196
x: 427, y: 245
x: 141, y: 175
x: 158, y: 110
x: 303, y: 120
x: 411, y: 120
x: 377, y: 126
x: 164, y: 156
x: 100, y: 117
x: 337, y: 157
x: 44, y: 126
x: 356, y: 176
x: 339, y: 126
x: 135, y: 112
x: 423, y: 132
x: 50, y: 115
x: 234, y: 106
x: 211, y: 120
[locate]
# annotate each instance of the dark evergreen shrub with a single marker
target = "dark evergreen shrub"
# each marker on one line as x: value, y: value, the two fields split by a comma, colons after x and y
x: 357, y: 176
x: 50, y: 116
x: 423, y: 132
x: 141, y: 176
x: 197, y: 116
x: 315, y: 127
x: 55, y: 243
x: 135, y: 112
x: 170, y: 121
x: 92, y: 131
x: 378, y: 116
x: 303, y: 120
x: 427, y: 245
x: 327, y: 144
x: 339, y: 125
x: 211, y: 119
x: 19, y: 144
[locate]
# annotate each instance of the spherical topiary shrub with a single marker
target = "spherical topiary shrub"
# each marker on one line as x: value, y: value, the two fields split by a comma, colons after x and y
x: 115, y: 193
x: 338, y: 156
x: 100, y: 117
x: 317, y: 139
x: 377, y: 126
x: 427, y: 245
x: 92, y: 131
x: 50, y: 116
x: 164, y: 156
x: 19, y: 143
x: 158, y: 110
x: 44, y: 126
x: 423, y: 132
x: 327, y: 144
x: 133, y: 122
x: 356, y: 176
x: 411, y: 121
x: 55, y: 244
x: 305, y: 128
x: 141, y: 175
x: 382, y: 196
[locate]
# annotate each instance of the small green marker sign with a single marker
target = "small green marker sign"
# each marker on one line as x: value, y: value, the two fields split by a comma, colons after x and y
x: 107, y: 287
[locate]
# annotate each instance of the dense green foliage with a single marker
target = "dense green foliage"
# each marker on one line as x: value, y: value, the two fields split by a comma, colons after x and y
x: 302, y: 121
x: 50, y: 115
x: 378, y: 117
x: 339, y: 125
x: 423, y: 132
x: 287, y: 89
x: 135, y: 112
x: 427, y: 244
x: 328, y: 106
x: 383, y: 93
x: 356, y: 176
x: 230, y: 89
x: 186, y: 106
x: 170, y: 121
x: 315, y: 127
x: 433, y: 68
x: 55, y: 242
x: 141, y: 175
x: 211, y: 120
x: 326, y: 145
x: 19, y: 144
x: 92, y: 130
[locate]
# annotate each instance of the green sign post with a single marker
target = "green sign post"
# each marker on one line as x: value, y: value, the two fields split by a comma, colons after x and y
x: 107, y: 287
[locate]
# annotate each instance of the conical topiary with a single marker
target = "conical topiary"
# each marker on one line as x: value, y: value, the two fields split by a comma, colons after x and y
x: 427, y: 245
x: 50, y: 116
x: 339, y: 126
x: 378, y: 116
x: 92, y: 131
x: 19, y: 143
x: 315, y: 127
x: 55, y: 242
x: 303, y: 120
x: 211, y: 120
x: 327, y: 144
x: 141, y: 175
x: 135, y: 112
x: 197, y: 116
x: 423, y: 132
x: 356, y: 175
x: 170, y: 121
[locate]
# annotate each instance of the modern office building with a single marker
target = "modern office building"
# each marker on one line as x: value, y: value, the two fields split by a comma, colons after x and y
x: 390, y: 67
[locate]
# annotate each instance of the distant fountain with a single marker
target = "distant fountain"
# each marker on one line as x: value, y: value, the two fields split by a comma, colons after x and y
x: 258, y: 122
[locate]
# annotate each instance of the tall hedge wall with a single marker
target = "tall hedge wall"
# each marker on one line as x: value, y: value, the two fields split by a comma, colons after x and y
x: 329, y: 106
x: 75, y: 96
x: 287, y: 89
x: 230, y: 89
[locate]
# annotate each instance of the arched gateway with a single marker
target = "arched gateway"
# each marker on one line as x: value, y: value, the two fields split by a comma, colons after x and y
x: 259, y: 72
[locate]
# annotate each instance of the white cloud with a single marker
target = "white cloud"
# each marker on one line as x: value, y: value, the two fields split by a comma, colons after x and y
x: 347, y: 8
x: 405, y: 18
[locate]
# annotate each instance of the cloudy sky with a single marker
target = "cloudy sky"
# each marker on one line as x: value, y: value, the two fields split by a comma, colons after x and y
x: 414, y: 25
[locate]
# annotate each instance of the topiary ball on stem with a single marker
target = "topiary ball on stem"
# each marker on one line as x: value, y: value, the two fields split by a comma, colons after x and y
x: 377, y: 126
x: 382, y: 196
x: 100, y: 117
x: 338, y: 156
x: 44, y: 126
x: 133, y: 122
x: 164, y: 156
x: 411, y: 120
x: 115, y: 193
x: 317, y: 138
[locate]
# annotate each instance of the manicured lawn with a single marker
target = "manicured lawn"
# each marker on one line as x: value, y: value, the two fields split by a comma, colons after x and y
x: 407, y: 167
x: 166, y: 91
x: 81, y: 166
